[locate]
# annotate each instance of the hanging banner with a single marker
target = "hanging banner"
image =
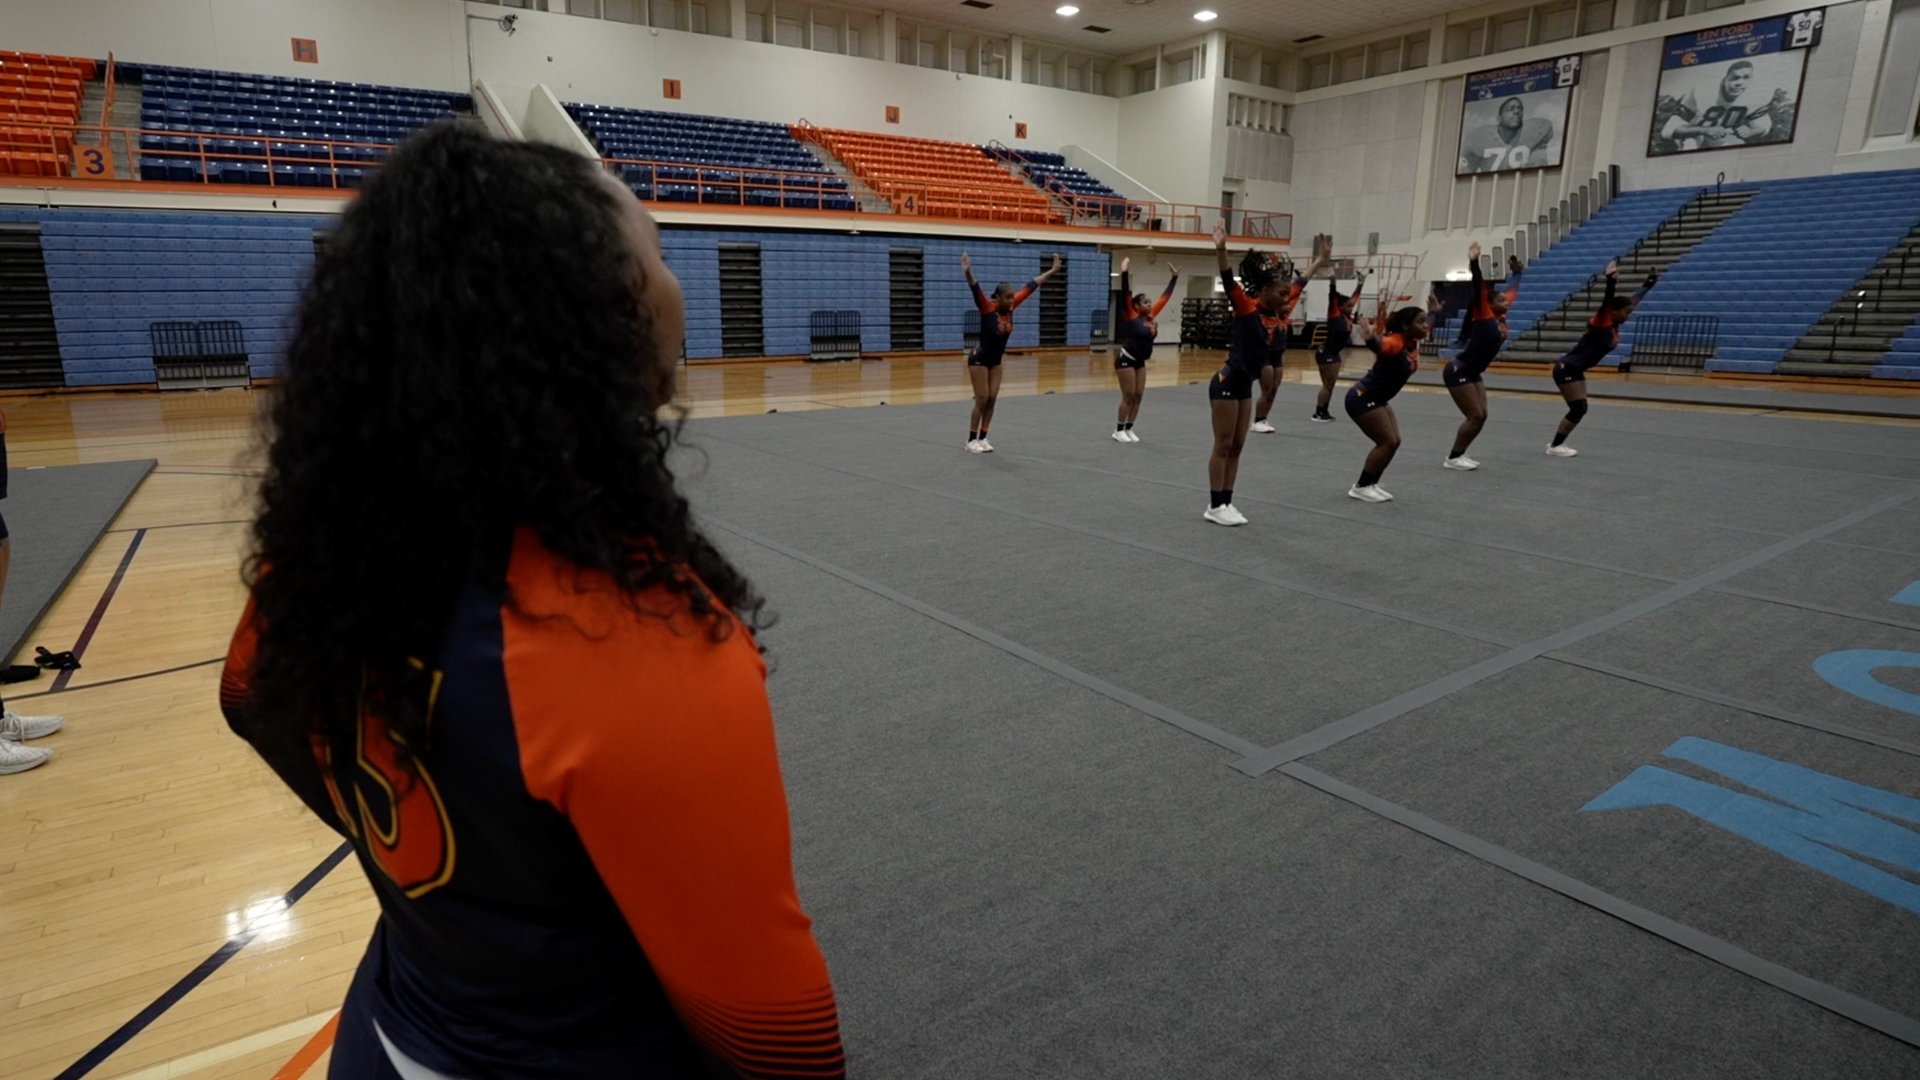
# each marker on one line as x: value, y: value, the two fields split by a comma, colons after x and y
x: 1732, y: 86
x: 1516, y: 117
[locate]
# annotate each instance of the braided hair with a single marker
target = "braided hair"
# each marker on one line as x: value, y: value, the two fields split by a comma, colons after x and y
x: 1258, y: 271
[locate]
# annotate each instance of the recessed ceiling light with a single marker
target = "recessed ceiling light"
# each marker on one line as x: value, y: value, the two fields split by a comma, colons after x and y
x: 1205, y: 16
x: 1066, y: 9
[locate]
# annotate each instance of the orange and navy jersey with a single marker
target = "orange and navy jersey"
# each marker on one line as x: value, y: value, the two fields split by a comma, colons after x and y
x: 1138, y: 329
x: 1485, y: 330
x: 1603, y: 331
x: 1395, y: 359
x: 1339, y: 327
x: 996, y: 326
x: 1259, y: 336
x: 589, y: 871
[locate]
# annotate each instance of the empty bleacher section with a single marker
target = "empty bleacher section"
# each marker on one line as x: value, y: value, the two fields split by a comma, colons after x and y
x: 677, y: 157
x: 228, y: 128
x: 39, y: 106
x: 1051, y: 173
x: 1774, y: 268
x: 1567, y: 267
x: 937, y: 179
x: 1556, y: 332
x: 1903, y: 356
x: 113, y: 275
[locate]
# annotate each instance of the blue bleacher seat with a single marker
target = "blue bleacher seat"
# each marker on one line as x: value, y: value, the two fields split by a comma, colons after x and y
x: 706, y: 158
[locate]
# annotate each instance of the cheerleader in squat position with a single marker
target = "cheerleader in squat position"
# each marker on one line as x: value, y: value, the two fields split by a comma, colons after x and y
x: 1137, y: 331
x: 983, y: 364
x: 1484, y: 331
x: 1603, y: 333
x: 1281, y: 304
x: 1396, y: 358
x: 1340, y: 312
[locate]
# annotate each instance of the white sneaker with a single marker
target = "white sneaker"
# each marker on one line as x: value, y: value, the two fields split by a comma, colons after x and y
x: 1370, y: 493
x: 1463, y: 463
x: 1223, y: 515
x: 19, y: 728
x: 1131, y: 437
x: 1563, y: 450
x: 973, y: 447
x: 19, y: 757
x: 1263, y: 427
x: 1120, y: 436
x: 986, y: 447
x: 1385, y: 495
x: 1238, y: 517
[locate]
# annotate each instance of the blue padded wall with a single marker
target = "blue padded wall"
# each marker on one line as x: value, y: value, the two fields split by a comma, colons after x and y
x: 113, y: 273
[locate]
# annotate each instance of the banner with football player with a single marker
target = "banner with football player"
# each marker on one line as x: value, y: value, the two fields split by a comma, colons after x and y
x: 1516, y: 117
x: 1732, y: 86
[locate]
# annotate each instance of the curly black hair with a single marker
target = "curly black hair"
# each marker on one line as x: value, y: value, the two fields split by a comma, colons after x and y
x: 472, y: 356
x: 1258, y: 271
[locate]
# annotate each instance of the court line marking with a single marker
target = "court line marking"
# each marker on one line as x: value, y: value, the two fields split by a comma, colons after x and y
x: 93, y: 1058
x: 1141, y: 545
x: 241, y: 1047
x: 99, y: 610
x: 1808, y: 989
x: 1162, y: 713
x: 113, y: 682
x: 1808, y: 605
x: 1372, y: 717
x: 184, y: 525
x: 303, y: 1059
x: 1826, y: 996
x: 1886, y: 742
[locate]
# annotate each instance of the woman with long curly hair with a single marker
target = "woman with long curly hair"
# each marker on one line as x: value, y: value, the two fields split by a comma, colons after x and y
x: 489, y: 646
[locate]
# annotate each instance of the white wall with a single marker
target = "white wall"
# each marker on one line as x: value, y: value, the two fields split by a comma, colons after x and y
x: 406, y: 42
x: 1356, y: 160
x: 1172, y: 140
x: 616, y: 64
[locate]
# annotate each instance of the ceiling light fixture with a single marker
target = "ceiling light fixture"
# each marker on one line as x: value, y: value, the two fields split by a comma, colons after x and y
x: 1066, y: 9
x: 1205, y: 16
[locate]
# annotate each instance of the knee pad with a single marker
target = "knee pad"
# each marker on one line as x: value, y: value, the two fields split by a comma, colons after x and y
x: 1576, y: 410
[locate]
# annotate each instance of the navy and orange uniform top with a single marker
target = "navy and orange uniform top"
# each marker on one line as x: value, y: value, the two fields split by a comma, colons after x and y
x: 1485, y: 329
x: 589, y: 873
x: 1339, y: 327
x: 1395, y: 359
x: 1259, y: 337
x: 1138, y: 328
x: 1603, y: 331
x: 996, y: 326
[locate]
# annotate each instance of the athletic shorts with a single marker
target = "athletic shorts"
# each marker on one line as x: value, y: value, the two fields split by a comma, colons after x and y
x: 3, y: 483
x: 1458, y: 374
x: 1122, y: 360
x: 1319, y: 358
x: 1564, y: 373
x: 1230, y: 384
x: 974, y: 359
x: 1360, y: 404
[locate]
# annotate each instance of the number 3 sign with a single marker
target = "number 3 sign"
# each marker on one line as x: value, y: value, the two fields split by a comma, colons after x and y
x: 93, y: 162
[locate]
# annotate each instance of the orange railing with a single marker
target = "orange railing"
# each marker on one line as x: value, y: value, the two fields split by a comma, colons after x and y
x: 722, y: 185
x: 188, y: 157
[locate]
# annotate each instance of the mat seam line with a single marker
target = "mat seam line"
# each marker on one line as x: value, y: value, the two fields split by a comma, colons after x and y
x: 1400, y: 705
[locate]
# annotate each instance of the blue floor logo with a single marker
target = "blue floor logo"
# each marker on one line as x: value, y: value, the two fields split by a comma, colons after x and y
x: 1817, y: 821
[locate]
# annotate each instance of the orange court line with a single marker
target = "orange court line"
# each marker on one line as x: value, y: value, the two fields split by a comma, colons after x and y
x: 303, y: 1059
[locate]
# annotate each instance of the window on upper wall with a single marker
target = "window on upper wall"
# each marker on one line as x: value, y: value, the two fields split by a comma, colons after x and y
x: 1596, y: 16
x: 1350, y: 65
x: 589, y: 8
x: 1557, y: 21
x: 626, y: 11
x: 957, y: 58
x: 826, y: 38
x: 927, y: 56
x: 1715, y: 5
x: 785, y: 32
x: 1143, y: 77
x: 1510, y: 31
x: 1319, y: 72
x: 1466, y: 41
x: 1417, y: 50
x: 1096, y: 82
x: 663, y: 14
x: 1047, y: 73
x: 697, y: 21
x: 1073, y: 78
x: 1383, y: 57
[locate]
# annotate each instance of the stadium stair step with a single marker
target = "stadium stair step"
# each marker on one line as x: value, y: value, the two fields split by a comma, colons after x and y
x: 869, y: 201
x: 1856, y: 333
x: 1552, y: 334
